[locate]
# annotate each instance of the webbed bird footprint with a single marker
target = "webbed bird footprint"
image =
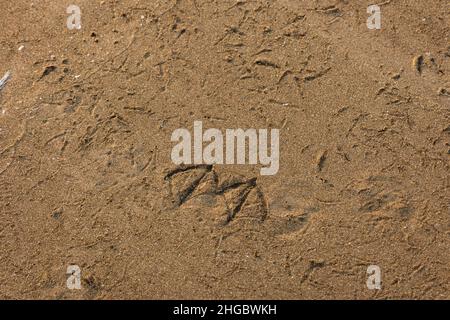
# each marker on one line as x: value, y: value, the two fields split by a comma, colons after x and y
x: 239, y: 196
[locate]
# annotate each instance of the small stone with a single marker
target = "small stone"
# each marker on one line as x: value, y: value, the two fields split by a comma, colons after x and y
x: 57, y: 213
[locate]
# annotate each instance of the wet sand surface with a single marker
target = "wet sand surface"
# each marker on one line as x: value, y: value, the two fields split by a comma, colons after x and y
x: 86, y: 176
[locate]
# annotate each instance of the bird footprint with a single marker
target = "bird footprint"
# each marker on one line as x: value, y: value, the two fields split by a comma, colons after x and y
x: 242, y: 196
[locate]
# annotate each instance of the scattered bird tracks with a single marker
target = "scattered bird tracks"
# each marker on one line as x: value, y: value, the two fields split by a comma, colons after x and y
x: 189, y: 181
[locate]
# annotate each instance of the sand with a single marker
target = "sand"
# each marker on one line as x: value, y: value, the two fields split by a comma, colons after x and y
x: 86, y: 176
